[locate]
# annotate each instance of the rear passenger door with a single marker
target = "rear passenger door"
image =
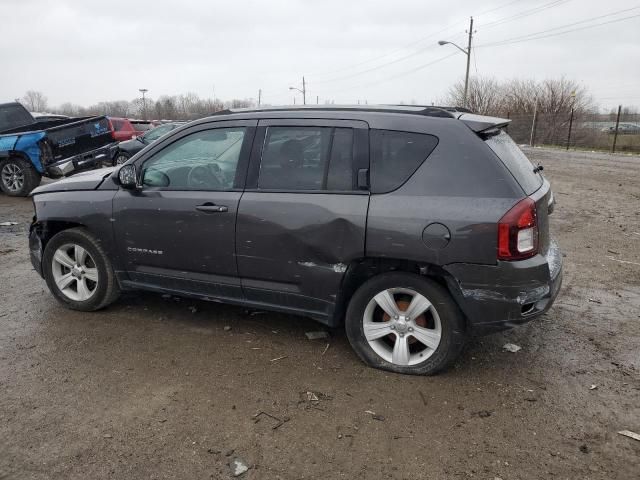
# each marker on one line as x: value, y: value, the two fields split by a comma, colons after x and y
x: 302, y: 217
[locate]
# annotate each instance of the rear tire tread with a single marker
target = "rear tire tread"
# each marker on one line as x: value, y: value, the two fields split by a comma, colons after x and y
x: 31, y: 177
x: 452, y: 320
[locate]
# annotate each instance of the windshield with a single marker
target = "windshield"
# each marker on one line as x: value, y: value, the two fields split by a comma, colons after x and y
x: 156, y: 133
x: 516, y: 161
x: 13, y: 116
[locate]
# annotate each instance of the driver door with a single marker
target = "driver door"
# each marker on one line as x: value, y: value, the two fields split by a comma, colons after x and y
x: 177, y: 231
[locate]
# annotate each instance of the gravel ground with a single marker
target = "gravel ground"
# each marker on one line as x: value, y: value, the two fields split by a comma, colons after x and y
x: 159, y: 387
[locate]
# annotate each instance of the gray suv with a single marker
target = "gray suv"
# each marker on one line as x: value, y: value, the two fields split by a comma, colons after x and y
x: 415, y: 226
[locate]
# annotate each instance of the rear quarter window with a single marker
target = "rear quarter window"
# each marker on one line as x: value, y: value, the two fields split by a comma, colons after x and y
x: 12, y: 116
x: 516, y: 161
x: 395, y: 156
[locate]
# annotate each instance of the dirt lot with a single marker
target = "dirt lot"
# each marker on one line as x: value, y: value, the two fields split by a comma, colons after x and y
x: 168, y: 388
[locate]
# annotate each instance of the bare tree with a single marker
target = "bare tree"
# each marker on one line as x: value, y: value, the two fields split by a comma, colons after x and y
x: 34, y: 101
x: 69, y: 109
x: 484, y: 96
x: 487, y: 96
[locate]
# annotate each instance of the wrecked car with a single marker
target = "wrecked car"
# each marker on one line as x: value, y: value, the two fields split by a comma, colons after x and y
x: 415, y: 227
x: 32, y: 148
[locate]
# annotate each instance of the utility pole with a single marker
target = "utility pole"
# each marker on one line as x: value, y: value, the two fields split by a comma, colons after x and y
x: 466, y: 77
x: 615, y: 136
x: 259, y: 96
x: 304, y: 91
x: 570, y: 127
x: 467, y: 52
x: 317, y: 99
x: 532, y: 139
x: 144, y: 103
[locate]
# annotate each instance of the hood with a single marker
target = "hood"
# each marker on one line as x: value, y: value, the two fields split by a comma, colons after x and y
x: 134, y: 145
x: 80, y: 181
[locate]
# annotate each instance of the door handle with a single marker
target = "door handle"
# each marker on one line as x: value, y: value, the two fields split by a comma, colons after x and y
x: 212, y: 208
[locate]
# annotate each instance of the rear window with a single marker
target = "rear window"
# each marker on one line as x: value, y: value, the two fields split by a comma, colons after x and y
x: 395, y: 156
x: 13, y: 116
x: 516, y: 161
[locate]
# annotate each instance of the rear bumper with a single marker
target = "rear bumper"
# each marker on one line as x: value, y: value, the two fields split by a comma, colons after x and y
x: 497, y: 297
x: 83, y: 161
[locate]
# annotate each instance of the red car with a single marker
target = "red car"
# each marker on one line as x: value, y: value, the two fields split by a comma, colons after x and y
x: 122, y: 129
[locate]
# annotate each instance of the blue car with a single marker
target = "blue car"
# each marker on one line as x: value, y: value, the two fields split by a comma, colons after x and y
x: 31, y: 149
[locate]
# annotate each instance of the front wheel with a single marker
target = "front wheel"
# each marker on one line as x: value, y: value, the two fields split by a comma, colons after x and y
x: 78, y: 271
x: 405, y: 323
x: 18, y: 177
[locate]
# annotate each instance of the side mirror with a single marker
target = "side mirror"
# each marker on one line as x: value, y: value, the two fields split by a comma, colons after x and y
x: 127, y: 176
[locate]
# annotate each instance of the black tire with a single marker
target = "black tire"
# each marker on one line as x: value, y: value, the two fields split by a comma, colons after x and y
x: 123, y: 156
x: 29, y: 177
x: 451, y: 320
x: 106, y: 290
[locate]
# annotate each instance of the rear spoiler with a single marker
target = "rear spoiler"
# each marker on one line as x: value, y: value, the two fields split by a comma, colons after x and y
x: 482, y: 123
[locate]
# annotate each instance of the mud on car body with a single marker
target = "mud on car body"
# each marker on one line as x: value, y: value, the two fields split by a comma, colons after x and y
x: 415, y: 226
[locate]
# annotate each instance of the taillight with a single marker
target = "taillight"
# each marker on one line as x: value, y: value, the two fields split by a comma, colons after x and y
x: 518, y: 232
x: 46, y: 155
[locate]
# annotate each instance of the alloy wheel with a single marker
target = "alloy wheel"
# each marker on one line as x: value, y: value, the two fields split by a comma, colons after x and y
x: 12, y: 177
x: 75, y: 272
x: 402, y: 326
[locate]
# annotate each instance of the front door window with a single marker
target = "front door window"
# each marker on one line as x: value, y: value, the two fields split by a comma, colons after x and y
x: 205, y: 160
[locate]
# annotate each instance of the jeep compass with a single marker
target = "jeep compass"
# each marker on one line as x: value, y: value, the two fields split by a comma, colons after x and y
x: 415, y: 227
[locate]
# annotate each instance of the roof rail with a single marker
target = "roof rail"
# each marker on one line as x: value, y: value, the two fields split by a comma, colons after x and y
x: 429, y: 111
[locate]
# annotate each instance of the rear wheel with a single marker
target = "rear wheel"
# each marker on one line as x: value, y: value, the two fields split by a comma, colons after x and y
x: 18, y: 177
x: 78, y: 271
x: 405, y: 323
x: 120, y: 158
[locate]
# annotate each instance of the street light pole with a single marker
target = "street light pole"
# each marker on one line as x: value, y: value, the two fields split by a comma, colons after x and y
x: 303, y: 91
x: 466, y: 77
x: 144, y: 103
x: 467, y: 52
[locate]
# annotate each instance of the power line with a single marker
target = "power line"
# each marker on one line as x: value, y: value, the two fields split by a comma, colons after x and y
x: 484, y: 12
x: 401, y: 74
x: 418, y: 52
x: 376, y: 67
x: 402, y: 49
x: 523, y: 14
x: 410, y: 45
x: 540, y: 34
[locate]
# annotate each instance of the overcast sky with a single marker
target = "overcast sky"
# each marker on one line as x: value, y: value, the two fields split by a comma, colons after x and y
x: 379, y: 51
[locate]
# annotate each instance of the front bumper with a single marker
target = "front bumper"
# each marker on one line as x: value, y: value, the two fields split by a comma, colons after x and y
x: 35, y: 248
x: 497, y: 297
x: 83, y: 161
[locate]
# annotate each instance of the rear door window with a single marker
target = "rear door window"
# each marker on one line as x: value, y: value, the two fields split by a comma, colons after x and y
x: 395, y: 156
x: 307, y: 158
x: 516, y: 161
